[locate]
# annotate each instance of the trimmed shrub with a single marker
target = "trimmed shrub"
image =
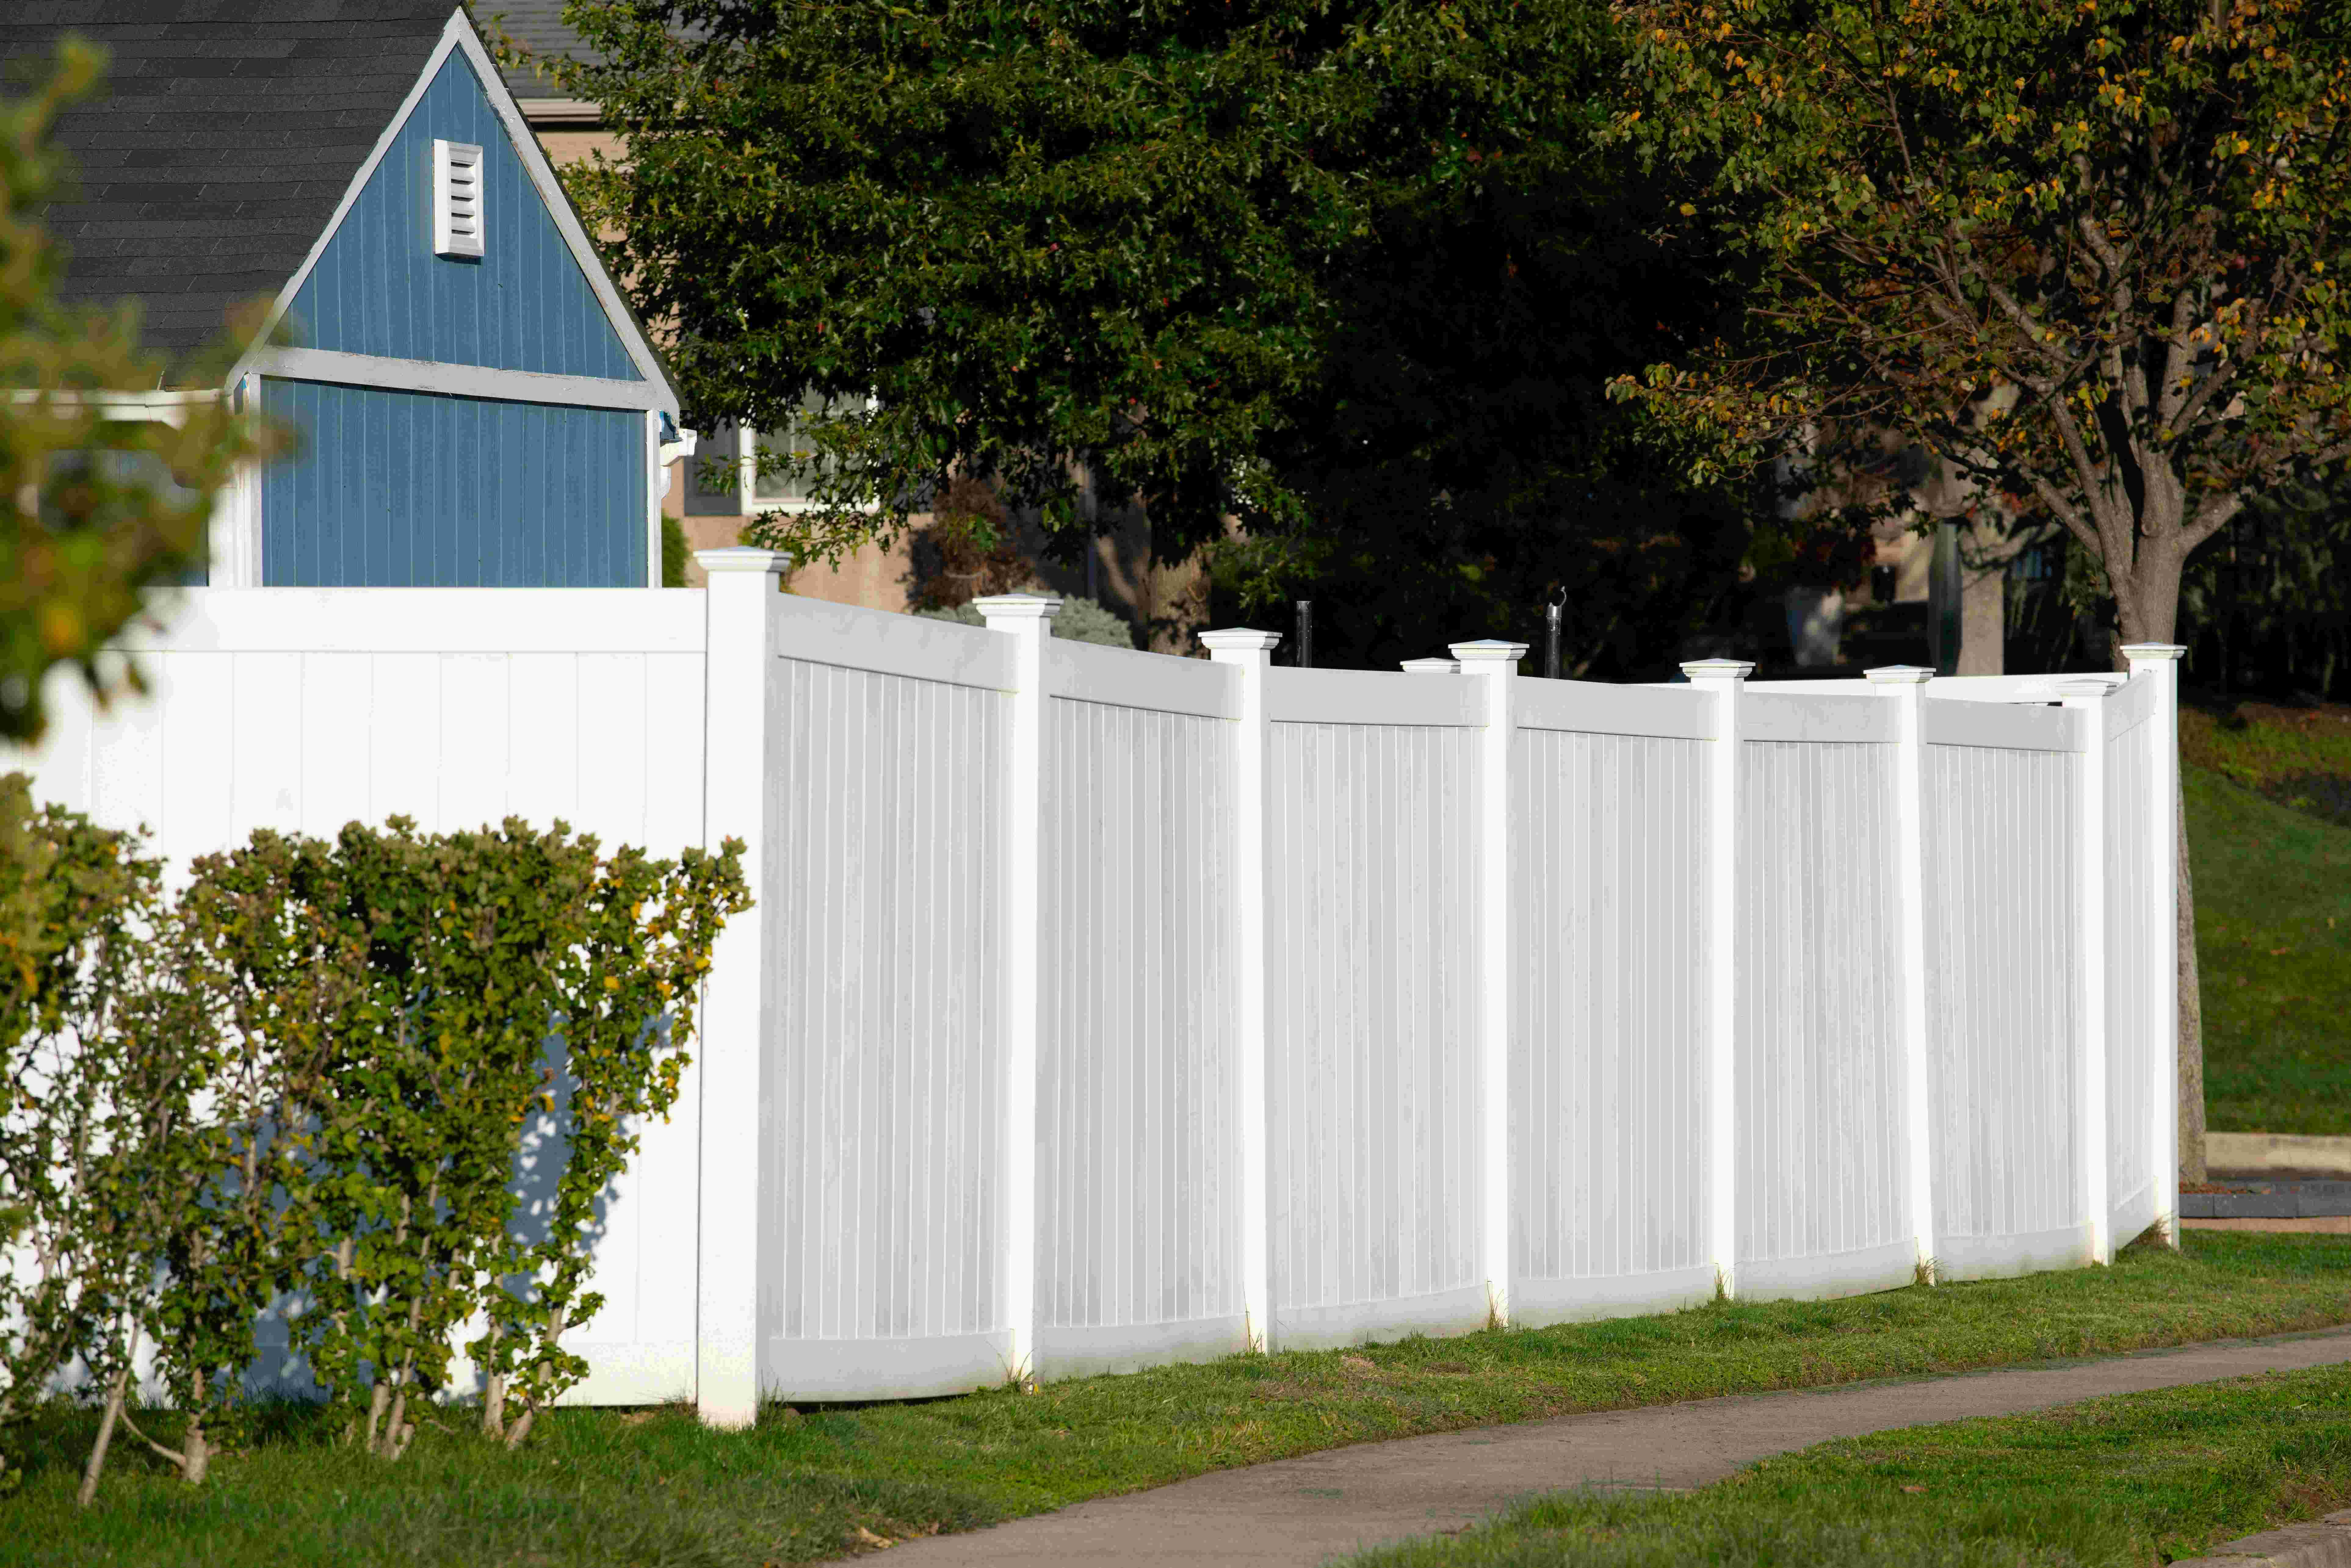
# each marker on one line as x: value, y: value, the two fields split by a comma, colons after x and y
x: 314, y: 1086
x: 1081, y: 620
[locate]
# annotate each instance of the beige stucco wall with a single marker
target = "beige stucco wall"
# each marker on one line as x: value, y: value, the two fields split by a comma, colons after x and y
x: 567, y: 146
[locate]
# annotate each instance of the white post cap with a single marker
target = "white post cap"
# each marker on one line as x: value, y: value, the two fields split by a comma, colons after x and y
x: 1899, y: 675
x: 2084, y: 688
x: 1018, y: 607
x: 1431, y: 666
x: 1718, y: 669
x: 2148, y: 652
x: 743, y: 558
x: 1247, y: 639
x: 1490, y: 650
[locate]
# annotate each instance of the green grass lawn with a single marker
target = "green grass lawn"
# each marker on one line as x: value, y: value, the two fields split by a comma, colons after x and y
x: 2273, y: 918
x: 2127, y: 1480
x: 602, y: 1487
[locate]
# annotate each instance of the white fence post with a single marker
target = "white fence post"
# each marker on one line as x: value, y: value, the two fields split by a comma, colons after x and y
x: 739, y: 731
x: 2159, y: 662
x: 1497, y: 663
x: 1906, y: 685
x: 2086, y: 698
x: 1725, y: 678
x: 1250, y: 654
x: 1027, y: 618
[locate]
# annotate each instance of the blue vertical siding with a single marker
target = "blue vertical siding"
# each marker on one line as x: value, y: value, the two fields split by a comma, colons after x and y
x: 523, y: 306
x: 392, y: 489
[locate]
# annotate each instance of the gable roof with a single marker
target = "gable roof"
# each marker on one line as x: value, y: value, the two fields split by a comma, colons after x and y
x: 226, y: 136
x: 243, y: 145
x: 652, y: 389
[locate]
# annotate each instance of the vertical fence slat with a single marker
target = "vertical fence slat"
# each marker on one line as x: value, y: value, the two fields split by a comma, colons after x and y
x: 2159, y: 662
x: 1723, y: 678
x: 2085, y: 701
x: 737, y: 998
x: 1497, y: 665
x: 1906, y: 685
x: 1250, y: 654
x: 1027, y: 618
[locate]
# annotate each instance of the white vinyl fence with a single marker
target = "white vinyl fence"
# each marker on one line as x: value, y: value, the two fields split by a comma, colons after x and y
x: 1101, y: 1008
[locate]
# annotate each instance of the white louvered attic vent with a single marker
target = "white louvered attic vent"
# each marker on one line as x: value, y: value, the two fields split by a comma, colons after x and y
x: 457, y: 199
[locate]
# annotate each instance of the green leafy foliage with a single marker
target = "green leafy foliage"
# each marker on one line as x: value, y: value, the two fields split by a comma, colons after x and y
x: 640, y: 935
x: 438, y: 960
x: 1351, y: 275
x: 2088, y: 253
x: 95, y: 505
x: 74, y: 901
x: 309, y: 1091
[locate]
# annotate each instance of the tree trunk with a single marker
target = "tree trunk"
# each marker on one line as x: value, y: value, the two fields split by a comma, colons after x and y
x: 96, y: 1466
x: 196, y: 1452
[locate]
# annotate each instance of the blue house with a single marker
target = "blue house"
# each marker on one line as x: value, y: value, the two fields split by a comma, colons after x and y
x: 474, y: 404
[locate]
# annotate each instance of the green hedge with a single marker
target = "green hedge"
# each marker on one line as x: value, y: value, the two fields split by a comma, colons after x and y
x: 312, y: 1078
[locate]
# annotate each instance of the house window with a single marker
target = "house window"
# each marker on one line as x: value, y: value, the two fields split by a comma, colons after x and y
x: 733, y: 451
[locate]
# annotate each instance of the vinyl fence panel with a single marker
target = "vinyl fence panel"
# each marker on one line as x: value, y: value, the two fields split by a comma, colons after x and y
x: 1101, y: 1008
x: 1608, y: 1070
x: 1821, y: 1153
x: 2001, y: 1006
x: 880, y: 1185
x: 1373, y: 1077
x: 1138, y: 1245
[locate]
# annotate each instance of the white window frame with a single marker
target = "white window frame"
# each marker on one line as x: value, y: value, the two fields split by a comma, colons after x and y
x: 748, y: 502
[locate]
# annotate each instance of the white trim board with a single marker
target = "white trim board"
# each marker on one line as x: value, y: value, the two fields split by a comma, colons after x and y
x: 458, y: 37
x: 457, y: 380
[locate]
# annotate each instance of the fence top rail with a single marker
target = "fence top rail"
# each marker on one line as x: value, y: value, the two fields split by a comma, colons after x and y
x: 1155, y: 682
x: 2129, y: 706
x: 1865, y: 718
x: 1593, y: 708
x: 1373, y: 697
x: 2013, y: 727
x: 2007, y: 688
x: 816, y: 632
x: 420, y: 621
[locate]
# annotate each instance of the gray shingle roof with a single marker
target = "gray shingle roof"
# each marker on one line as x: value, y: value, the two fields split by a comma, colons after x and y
x: 537, y: 25
x: 225, y: 132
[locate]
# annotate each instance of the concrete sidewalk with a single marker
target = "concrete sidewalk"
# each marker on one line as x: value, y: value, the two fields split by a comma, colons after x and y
x: 1298, y: 1513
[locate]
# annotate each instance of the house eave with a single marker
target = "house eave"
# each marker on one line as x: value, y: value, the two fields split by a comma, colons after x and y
x: 561, y: 113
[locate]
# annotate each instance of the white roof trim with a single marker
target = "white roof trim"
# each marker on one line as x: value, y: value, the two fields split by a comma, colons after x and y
x: 560, y: 110
x: 457, y: 380
x: 458, y: 37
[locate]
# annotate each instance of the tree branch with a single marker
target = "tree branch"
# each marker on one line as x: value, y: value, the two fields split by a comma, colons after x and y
x: 2213, y: 516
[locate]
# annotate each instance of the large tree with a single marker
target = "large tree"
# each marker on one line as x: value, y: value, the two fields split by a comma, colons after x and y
x: 2087, y: 250
x: 96, y: 505
x: 1325, y: 270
